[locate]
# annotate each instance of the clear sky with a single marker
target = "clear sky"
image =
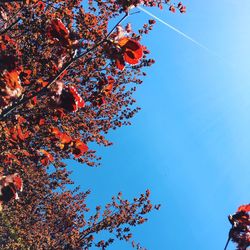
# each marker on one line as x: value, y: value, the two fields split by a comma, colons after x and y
x: 190, y: 144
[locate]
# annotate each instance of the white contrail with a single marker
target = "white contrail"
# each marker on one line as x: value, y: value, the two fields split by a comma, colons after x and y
x: 176, y: 30
x: 232, y: 66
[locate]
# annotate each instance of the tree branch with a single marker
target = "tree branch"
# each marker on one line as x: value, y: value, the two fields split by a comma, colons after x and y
x: 10, y: 26
x: 41, y: 92
x: 229, y: 238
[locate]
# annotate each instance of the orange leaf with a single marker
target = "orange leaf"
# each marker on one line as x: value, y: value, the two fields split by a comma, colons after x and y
x: 132, y: 51
x: 22, y: 136
x: 55, y: 131
x: 43, y: 83
x: 9, y: 157
x: 244, y: 208
x: 120, y: 64
x: 47, y: 157
x: 134, y: 46
x: 79, y: 148
x: 63, y: 137
x: 107, y: 89
x: 41, y: 122
x: 130, y: 57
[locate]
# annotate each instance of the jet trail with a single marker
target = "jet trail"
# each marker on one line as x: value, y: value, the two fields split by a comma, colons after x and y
x: 176, y: 30
x: 229, y: 64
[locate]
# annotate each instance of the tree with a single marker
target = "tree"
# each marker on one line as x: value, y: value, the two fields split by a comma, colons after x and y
x: 239, y: 232
x: 65, y: 81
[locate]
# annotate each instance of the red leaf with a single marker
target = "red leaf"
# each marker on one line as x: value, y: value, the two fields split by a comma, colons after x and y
x: 132, y: 51
x: 130, y: 57
x: 47, y: 157
x: 244, y: 208
x: 58, y: 31
x: 79, y: 148
x: 172, y: 8
x: 70, y: 100
x: 120, y: 64
x: 134, y: 46
x: 107, y: 89
x: 63, y: 137
x: 41, y: 122
x: 22, y: 136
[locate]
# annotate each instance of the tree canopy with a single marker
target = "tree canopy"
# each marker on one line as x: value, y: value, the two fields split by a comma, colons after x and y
x: 66, y: 79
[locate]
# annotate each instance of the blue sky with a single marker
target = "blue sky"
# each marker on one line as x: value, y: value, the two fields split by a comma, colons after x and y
x: 190, y: 143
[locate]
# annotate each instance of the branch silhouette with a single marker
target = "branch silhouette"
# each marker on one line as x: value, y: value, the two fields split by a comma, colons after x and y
x: 24, y: 99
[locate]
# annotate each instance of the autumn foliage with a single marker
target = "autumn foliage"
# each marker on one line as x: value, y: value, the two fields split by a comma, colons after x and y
x: 240, y: 230
x: 9, y: 188
x: 66, y: 79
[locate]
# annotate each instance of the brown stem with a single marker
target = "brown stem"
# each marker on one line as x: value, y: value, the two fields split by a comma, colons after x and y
x: 228, y: 239
x: 10, y: 26
x: 14, y: 16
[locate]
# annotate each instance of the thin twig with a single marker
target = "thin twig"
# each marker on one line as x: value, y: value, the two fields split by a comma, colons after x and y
x: 228, y: 240
x: 14, y: 16
x: 10, y: 26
